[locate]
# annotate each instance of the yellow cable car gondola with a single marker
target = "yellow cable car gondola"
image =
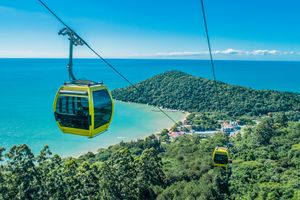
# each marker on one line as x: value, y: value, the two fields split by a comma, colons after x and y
x: 82, y: 107
x: 221, y: 157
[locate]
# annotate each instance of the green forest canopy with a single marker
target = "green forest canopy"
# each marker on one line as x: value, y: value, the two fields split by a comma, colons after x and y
x: 178, y: 90
x: 266, y: 165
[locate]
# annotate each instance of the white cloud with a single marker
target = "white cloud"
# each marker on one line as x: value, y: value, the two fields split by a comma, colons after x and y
x: 229, y: 51
x: 249, y: 52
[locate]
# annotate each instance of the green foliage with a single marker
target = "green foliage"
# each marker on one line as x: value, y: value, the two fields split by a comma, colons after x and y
x: 150, y: 173
x: 267, y: 161
x: 134, y: 170
x: 164, y: 136
x: 281, y: 119
x: 264, y: 131
x: 181, y: 91
x: 3, y: 189
x: 203, y: 121
x: 22, y: 172
x: 118, y: 181
x: 266, y: 165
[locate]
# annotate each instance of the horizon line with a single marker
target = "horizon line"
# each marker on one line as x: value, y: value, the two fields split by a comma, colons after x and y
x: 140, y: 58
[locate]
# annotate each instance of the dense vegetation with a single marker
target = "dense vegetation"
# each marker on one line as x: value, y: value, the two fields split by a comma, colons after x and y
x: 267, y: 161
x: 203, y: 121
x: 137, y: 170
x: 266, y: 165
x: 177, y: 90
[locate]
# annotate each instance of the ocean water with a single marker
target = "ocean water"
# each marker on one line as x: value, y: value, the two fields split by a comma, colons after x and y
x: 28, y: 87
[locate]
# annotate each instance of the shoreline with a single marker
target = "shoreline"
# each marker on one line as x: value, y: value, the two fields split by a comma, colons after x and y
x: 124, y: 138
x: 156, y: 110
x: 132, y: 121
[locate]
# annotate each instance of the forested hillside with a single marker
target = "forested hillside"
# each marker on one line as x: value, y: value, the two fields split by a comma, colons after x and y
x: 266, y: 165
x: 178, y: 90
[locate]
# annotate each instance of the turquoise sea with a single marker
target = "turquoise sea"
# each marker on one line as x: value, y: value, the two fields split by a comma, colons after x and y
x: 28, y: 87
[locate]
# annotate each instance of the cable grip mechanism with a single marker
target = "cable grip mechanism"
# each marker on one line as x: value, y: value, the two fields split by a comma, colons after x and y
x: 74, y: 40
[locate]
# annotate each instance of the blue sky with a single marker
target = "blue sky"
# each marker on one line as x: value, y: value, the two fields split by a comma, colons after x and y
x: 239, y: 29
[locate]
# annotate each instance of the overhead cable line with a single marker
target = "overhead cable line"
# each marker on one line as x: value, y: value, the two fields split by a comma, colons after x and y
x: 211, y: 57
x: 103, y: 59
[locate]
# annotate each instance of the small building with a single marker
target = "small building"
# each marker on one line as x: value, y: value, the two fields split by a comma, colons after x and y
x: 230, y: 127
x: 175, y: 134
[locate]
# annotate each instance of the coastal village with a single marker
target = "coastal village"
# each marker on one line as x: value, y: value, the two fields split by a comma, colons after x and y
x: 185, y: 127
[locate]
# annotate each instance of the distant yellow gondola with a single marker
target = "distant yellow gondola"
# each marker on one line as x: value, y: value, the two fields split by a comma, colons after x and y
x: 83, y: 108
x: 221, y: 157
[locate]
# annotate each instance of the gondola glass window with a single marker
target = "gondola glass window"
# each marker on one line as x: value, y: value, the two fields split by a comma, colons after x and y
x: 221, y: 159
x: 73, y: 112
x: 102, y: 108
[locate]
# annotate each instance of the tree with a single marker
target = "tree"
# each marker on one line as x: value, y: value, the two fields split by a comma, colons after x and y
x: 70, y: 178
x: 281, y: 119
x: 149, y: 173
x: 3, y: 188
x: 23, y: 180
x: 164, y: 136
x: 88, y: 181
x: 118, y: 175
x: 264, y: 131
x: 43, y: 169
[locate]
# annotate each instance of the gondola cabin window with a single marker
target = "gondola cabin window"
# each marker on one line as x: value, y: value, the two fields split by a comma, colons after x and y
x: 73, y: 112
x: 221, y: 159
x: 102, y: 108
